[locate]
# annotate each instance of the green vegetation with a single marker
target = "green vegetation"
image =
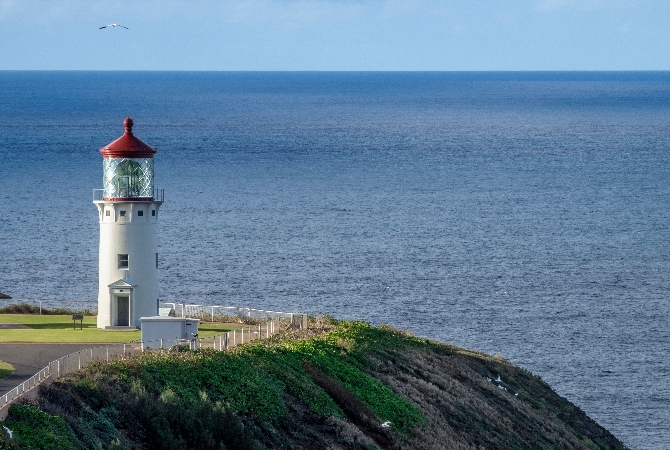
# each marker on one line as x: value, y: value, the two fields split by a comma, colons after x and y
x: 59, y: 328
x: 6, y: 370
x: 332, y: 386
x: 35, y: 429
x: 25, y: 308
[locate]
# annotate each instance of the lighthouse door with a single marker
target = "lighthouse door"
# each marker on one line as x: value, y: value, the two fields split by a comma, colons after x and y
x: 123, y: 311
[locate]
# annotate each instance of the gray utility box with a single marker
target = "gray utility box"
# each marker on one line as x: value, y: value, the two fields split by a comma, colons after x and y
x: 164, y: 332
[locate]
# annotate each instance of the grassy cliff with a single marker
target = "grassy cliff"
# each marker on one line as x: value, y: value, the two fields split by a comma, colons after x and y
x: 338, y: 385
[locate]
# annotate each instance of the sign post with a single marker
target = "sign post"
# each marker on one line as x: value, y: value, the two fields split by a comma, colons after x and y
x: 80, y: 318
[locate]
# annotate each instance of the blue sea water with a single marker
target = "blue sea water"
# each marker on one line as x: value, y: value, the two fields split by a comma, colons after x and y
x: 524, y: 214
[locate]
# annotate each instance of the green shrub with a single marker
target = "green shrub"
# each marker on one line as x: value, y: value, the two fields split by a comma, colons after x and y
x: 25, y: 308
x: 35, y: 429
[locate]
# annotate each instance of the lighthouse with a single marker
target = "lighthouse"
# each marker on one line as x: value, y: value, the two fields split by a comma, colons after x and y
x: 128, y: 208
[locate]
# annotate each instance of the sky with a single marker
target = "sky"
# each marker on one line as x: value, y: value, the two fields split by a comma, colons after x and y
x: 350, y: 35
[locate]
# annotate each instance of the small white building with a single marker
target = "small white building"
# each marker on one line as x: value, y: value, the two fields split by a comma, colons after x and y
x: 128, y: 208
x: 164, y: 332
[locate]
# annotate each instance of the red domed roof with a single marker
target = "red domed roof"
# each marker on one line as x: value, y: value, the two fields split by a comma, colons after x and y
x: 127, y: 146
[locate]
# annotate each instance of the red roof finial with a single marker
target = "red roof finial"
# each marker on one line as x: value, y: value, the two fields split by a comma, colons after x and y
x: 127, y: 146
x: 128, y: 123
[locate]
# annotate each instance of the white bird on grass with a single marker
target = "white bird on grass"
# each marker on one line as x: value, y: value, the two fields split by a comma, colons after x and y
x: 386, y: 424
x: 113, y: 25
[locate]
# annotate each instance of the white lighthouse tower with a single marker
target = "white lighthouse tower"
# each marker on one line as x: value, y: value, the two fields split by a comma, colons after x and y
x: 128, y: 208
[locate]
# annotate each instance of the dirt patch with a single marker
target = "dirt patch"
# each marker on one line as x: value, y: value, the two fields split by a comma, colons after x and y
x: 356, y: 411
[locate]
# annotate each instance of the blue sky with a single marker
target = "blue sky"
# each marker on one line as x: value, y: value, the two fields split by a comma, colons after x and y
x: 335, y: 35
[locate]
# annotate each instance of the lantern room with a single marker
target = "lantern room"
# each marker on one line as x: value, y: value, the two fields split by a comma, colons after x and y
x: 128, y: 168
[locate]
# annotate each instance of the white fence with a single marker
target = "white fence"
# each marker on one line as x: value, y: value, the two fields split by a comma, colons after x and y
x: 217, y: 312
x: 77, y: 360
x: 71, y: 363
x: 225, y: 341
x: 75, y: 305
x: 181, y: 309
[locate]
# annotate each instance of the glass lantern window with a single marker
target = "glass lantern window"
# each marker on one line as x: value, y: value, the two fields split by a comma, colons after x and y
x: 128, y: 177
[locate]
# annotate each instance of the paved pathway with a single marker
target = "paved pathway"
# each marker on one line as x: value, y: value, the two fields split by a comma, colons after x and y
x: 28, y: 359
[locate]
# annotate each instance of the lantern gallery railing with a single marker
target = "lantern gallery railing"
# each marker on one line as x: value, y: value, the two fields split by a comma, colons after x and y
x: 99, y: 196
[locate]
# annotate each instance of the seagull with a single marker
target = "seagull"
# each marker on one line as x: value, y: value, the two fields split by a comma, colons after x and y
x: 498, y: 380
x: 113, y: 25
x: 386, y: 424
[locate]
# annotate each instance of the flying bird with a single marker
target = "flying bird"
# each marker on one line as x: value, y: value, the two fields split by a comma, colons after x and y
x: 113, y: 25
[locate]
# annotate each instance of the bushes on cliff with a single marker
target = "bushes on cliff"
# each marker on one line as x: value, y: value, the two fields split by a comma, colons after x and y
x: 35, y: 429
x: 201, y: 399
x: 323, y: 388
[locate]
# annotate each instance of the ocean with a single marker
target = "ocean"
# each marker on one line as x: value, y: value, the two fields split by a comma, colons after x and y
x: 516, y: 213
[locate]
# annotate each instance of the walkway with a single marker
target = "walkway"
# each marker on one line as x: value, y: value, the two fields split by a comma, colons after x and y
x: 28, y: 359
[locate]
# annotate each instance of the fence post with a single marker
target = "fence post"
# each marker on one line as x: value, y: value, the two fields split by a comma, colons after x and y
x: 79, y: 354
x: 107, y: 347
x: 161, y: 343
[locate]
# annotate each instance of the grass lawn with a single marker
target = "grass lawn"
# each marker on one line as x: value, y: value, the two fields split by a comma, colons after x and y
x: 59, y: 329
x: 6, y: 370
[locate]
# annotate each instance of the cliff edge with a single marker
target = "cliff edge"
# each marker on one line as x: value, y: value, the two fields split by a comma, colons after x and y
x: 338, y: 385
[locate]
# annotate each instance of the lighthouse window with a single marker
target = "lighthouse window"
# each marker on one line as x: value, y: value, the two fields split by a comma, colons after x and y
x: 122, y: 213
x: 156, y: 260
x: 123, y: 261
x: 153, y: 212
x: 107, y: 213
x: 140, y: 213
